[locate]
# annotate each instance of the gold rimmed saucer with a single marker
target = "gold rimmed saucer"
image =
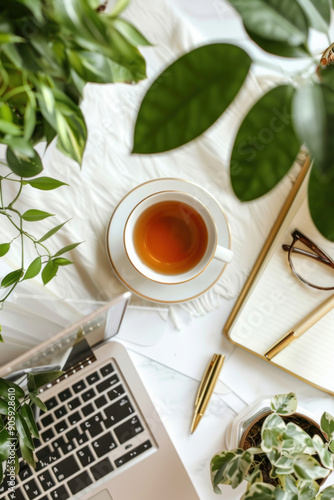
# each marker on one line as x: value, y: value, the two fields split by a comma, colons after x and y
x: 136, y: 282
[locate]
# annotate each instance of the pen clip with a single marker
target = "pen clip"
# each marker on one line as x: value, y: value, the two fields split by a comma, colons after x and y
x: 205, y: 380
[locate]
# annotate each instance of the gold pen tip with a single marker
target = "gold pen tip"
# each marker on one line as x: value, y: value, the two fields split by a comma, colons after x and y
x: 195, y: 423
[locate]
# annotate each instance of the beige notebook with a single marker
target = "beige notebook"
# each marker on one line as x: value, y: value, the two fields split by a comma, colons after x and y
x: 274, y: 300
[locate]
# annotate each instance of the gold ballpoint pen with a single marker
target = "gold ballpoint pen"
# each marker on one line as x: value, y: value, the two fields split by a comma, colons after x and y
x: 301, y: 327
x: 206, y: 387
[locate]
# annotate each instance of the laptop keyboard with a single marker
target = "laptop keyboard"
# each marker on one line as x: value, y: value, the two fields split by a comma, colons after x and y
x: 92, y: 428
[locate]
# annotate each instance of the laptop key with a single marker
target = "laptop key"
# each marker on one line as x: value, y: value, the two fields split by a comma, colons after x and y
x: 104, y: 444
x: 74, y: 418
x: 58, y: 442
x: 82, y: 438
x: 133, y: 453
x: 47, y: 435
x: 66, y: 468
x: 74, y: 403
x: 67, y: 447
x: 79, y: 482
x: 73, y: 434
x: 107, y: 383
x: 46, y: 480
x: 101, y: 469
x: 128, y: 429
x: 59, y: 493
x: 47, y: 420
x: 61, y: 426
x: 79, y: 386
x: 91, y: 422
x: 118, y: 411
x: 85, y: 456
x: 96, y: 430
x: 116, y: 392
x: 25, y: 472
x: 51, y: 403
x: 106, y: 370
x: 64, y: 395
x: 61, y: 411
x: 47, y: 459
x: 90, y: 394
x: 88, y: 409
x: 31, y: 489
x: 101, y: 401
x: 16, y: 495
x: 92, y: 378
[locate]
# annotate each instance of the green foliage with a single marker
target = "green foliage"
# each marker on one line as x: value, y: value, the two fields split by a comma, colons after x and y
x: 18, y: 421
x: 299, y: 111
x: 48, y: 52
x: 290, y: 451
x: 183, y: 91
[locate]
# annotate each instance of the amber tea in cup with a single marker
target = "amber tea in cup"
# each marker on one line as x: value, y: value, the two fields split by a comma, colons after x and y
x: 170, y: 237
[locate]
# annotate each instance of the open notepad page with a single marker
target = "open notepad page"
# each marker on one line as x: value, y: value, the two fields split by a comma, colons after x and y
x: 280, y: 300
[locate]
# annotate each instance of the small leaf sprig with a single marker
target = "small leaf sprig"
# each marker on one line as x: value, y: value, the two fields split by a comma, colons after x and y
x: 45, y: 263
x: 18, y: 426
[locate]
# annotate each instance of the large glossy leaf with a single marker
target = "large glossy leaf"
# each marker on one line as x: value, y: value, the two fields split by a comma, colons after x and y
x: 310, y: 119
x: 278, y: 20
x: 318, y: 13
x: 266, y: 145
x: 22, y: 165
x: 189, y: 96
x: 24, y: 432
x: 4, y: 445
x: 321, y: 200
x: 282, y: 49
x: 28, y: 416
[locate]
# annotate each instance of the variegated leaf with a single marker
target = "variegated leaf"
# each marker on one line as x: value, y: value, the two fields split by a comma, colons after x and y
x: 285, y: 495
x: 230, y: 467
x: 307, y: 490
x: 284, y: 466
x: 326, y: 458
x: 327, y: 425
x: 327, y: 493
x: 284, y: 404
x: 307, y: 467
x: 272, y: 428
x: 260, y: 491
x: 302, y: 440
x: 254, y: 477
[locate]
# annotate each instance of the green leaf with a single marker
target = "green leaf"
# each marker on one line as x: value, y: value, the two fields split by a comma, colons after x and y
x: 29, y: 121
x: 321, y: 200
x: 307, y: 467
x: 51, y: 232
x: 284, y: 404
x: 10, y: 38
x: 67, y: 249
x: 4, y: 248
x: 3, y: 407
x: 27, y: 454
x: 5, y: 384
x: 327, y: 493
x: 35, y: 215
x: 35, y: 399
x: 33, y: 269
x: 230, y: 467
x: 4, y: 445
x: 49, y: 272
x: 11, y: 278
x: 259, y: 491
x: 266, y: 145
x: 302, y: 441
x: 37, y: 380
x: 130, y: 32
x: 60, y: 261
x: 46, y: 183
x: 318, y: 13
x: 279, y: 48
x: 94, y: 67
x: 310, y: 119
x: 327, y: 425
x: 22, y: 165
x: 307, y: 490
x: 23, y: 431
x: 326, y: 458
x: 272, y: 428
x: 189, y: 96
x: 119, y: 6
x: 10, y: 128
x: 35, y: 6
x: 72, y: 135
x: 276, y: 20
x: 28, y: 416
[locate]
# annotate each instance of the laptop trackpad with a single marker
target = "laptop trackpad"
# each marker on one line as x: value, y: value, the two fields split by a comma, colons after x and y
x: 102, y: 495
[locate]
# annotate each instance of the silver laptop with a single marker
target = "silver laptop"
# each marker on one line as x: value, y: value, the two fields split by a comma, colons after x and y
x: 101, y: 438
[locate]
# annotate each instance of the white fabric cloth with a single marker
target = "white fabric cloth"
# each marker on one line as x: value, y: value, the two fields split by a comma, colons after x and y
x: 109, y: 171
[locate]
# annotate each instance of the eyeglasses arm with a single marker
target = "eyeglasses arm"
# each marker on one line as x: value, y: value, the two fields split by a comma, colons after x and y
x: 300, y: 251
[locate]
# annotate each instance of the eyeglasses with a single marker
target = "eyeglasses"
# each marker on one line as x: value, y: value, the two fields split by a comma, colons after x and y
x: 315, y: 268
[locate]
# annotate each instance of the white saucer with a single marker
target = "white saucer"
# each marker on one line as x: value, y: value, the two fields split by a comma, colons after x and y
x: 136, y: 282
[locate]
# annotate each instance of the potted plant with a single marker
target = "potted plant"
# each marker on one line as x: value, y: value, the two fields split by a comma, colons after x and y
x: 196, y: 89
x: 18, y: 427
x: 49, y: 50
x: 282, y: 455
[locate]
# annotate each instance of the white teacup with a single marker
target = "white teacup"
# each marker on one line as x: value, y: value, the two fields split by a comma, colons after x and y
x: 171, y: 237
